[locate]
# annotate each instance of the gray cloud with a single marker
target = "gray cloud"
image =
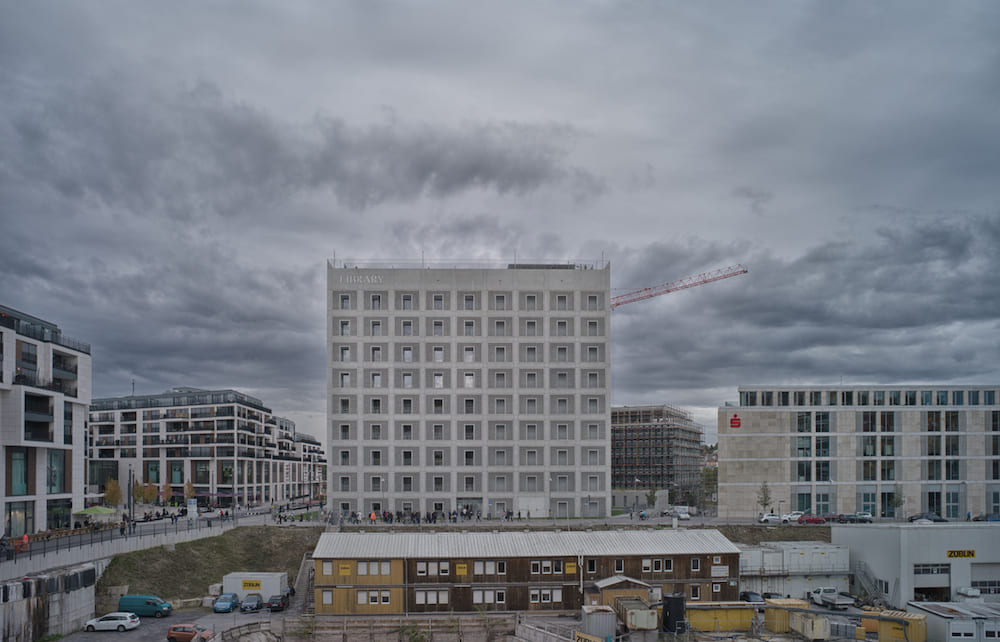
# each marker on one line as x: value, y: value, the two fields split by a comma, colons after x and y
x: 172, y: 180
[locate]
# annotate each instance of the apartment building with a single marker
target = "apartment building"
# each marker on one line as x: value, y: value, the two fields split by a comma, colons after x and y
x: 228, y: 445
x: 397, y: 573
x: 655, y: 447
x: 889, y: 450
x: 476, y: 388
x: 44, y: 393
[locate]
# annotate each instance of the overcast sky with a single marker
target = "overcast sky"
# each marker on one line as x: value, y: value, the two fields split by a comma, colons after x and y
x: 175, y: 176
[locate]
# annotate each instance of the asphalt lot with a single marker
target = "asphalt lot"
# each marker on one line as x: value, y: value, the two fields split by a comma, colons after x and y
x: 156, y: 629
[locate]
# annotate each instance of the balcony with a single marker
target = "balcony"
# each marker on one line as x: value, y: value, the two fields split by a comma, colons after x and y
x: 38, y: 431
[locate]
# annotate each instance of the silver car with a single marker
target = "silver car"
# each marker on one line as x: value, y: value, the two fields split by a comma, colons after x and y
x: 117, y: 621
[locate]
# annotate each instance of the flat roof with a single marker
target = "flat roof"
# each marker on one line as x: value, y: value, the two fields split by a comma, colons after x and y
x: 519, y: 544
x: 959, y: 610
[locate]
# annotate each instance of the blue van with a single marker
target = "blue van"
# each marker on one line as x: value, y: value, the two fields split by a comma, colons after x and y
x: 145, y: 605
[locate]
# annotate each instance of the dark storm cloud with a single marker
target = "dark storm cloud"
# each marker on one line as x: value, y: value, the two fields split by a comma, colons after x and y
x: 912, y: 304
x: 193, y: 153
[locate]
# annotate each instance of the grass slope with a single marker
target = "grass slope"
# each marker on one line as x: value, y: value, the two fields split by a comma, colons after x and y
x: 187, y: 571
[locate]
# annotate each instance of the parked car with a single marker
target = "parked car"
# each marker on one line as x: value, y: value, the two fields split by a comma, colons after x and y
x: 847, y: 518
x: 145, y: 605
x: 829, y: 596
x: 252, y: 602
x: 769, y: 518
x: 679, y: 513
x: 987, y: 518
x: 864, y: 517
x: 793, y: 516
x: 772, y: 596
x: 116, y: 621
x: 277, y: 602
x: 189, y: 632
x: 809, y: 518
x: 930, y: 517
x: 751, y: 596
x: 226, y: 602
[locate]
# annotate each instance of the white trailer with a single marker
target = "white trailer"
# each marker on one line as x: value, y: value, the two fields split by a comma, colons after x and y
x: 267, y: 584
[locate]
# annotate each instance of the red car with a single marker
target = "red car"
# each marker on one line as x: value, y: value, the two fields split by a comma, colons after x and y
x: 809, y: 518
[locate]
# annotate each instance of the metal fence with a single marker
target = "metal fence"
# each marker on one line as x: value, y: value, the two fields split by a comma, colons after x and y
x: 41, y: 545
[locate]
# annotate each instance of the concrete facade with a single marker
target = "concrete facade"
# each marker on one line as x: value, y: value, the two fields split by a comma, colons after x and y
x: 45, y: 388
x: 842, y: 449
x: 226, y: 444
x: 483, y: 389
x: 927, y: 562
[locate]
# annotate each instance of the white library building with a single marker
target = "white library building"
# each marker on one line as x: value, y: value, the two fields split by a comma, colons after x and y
x: 483, y: 389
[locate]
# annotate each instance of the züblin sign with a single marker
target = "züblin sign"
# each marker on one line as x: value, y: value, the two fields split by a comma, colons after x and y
x: 965, y: 553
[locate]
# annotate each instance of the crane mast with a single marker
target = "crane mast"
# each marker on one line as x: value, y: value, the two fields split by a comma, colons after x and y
x: 680, y: 284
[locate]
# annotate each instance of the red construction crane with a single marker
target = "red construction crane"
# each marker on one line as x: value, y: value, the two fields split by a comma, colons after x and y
x: 681, y: 284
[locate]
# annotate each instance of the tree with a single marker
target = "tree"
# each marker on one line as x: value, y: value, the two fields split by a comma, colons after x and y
x: 651, y: 498
x: 189, y: 490
x: 764, y: 496
x: 897, y: 501
x: 150, y: 492
x: 137, y: 490
x: 709, y: 482
x: 112, y: 492
x: 167, y: 492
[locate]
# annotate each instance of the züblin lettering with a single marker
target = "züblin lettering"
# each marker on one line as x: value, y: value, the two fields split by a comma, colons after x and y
x: 966, y: 553
x: 362, y: 278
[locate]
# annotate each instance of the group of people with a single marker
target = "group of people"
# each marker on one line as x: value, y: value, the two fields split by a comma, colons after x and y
x: 430, y: 517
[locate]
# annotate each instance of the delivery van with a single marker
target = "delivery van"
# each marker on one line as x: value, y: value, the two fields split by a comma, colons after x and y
x: 145, y: 605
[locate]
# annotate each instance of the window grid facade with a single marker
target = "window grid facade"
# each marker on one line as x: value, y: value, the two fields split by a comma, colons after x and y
x: 524, y: 367
x: 890, y: 450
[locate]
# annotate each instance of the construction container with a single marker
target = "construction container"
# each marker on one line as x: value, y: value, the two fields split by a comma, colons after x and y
x: 720, y: 616
x: 776, y: 613
x: 869, y: 623
x: 914, y: 630
x: 809, y: 626
x: 598, y: 621
x: 636, y: 614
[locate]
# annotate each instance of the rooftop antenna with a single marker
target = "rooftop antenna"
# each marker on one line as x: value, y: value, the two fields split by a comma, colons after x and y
x: 133, y: 386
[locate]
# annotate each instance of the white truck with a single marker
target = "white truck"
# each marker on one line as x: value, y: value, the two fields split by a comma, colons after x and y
x: 830, y: 597
x: 267, y: 584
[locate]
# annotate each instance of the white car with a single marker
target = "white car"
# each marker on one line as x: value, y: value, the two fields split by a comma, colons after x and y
x: 117, y: 621
x: 792, y: 517
x: 769, y: 518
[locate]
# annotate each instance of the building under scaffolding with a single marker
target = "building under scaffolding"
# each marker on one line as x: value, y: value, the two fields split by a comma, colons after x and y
x: 655, y: 447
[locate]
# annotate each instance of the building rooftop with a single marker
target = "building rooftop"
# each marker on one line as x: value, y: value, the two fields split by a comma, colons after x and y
x: 510, y: 544
x: 959, y: 610
x: 181, y: 396
x: 40, y: 329
x: 465, y: 264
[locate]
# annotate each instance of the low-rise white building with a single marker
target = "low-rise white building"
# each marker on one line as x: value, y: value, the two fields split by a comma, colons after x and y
x: 793, y: 568
x: 924, y: 562
x: 970, y: 620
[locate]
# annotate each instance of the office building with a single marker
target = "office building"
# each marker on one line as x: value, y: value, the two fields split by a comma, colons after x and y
x: 482, y: 389
x: 655, y: 448
x: 226, y: 444
x: 369, y: 573
x: 889, y: 450
x: 44, y: 394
